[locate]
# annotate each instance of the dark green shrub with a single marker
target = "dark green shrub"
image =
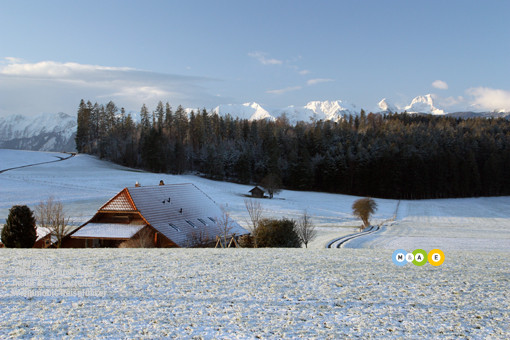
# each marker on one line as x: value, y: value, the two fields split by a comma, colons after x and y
x: 277, y: 233
x: 20, y: 230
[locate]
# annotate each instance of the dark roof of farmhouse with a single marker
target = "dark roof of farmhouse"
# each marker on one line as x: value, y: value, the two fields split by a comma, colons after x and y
x: 178, y: 211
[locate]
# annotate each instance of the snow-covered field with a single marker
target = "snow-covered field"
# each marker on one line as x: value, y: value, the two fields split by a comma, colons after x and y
x: 255, y: 293
x: 15, y: 158
x: 476, y: 224
x: 247, y: 294
x: 83, y: 183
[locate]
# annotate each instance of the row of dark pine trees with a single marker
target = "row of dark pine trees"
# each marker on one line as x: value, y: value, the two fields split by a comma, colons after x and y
x: 393, y: 156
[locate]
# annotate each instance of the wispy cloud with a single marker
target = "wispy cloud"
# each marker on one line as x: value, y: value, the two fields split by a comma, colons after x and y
x: 285, y: 90
x: 10, y: 60
x: 318, y: 81
x: 304, y: 72
x: 263, y: 59
x: 49, y: 86
x: 485, y: 98
x: 439, y: 84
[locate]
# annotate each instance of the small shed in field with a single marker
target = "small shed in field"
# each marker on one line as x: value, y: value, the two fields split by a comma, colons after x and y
x: 257, y: 192
x: 175, y: 215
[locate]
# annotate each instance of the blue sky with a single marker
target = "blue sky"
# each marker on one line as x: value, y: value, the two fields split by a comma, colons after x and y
x: 276, y: 53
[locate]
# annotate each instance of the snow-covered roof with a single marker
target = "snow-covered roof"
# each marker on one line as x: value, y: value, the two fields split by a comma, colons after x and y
x: 109, y: 230
x: 181, y: 212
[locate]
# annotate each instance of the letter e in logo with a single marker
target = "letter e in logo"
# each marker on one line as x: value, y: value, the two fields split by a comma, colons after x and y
x: 436, y: 257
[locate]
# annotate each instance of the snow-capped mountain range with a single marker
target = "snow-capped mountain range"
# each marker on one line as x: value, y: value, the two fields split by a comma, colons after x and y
x: 44, y: 132
x: 56, y: 132
x: 315, y: 110
x: 324, y: 110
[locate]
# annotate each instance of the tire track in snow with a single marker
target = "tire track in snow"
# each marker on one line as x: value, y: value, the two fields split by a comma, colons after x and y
x: 338, y: 242
x: 35, y: 164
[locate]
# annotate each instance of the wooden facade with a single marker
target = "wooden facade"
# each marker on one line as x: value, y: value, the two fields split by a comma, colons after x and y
x: 257, y: 192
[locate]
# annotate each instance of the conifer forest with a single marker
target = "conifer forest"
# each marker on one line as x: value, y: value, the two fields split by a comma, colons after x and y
x: 403, y: 156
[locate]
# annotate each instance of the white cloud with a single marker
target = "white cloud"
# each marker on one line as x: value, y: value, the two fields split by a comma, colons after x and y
x: 439, y: 84
x: 49, y: 86
x: 451, y: 103
x: 51, y: 69
x: 262, y: 58
x: 487, y: 99
x: 10, y: 60
x: 304, y: 72
x: 318, y: 81
x: 285, y: 90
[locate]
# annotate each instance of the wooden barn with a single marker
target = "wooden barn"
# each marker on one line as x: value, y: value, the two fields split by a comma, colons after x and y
x: 257, y: 192
x: 175, y: 215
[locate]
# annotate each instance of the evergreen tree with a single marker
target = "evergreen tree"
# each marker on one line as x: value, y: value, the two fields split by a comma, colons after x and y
x: 169, y: 116
x: 82, y: 131
x: 391, y: 156
x: 160, y: 115
x: 144, y: 119
x: 20, y: 230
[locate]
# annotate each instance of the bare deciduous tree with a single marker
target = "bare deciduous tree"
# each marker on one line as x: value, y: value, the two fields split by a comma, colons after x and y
x: 51, y: 217
x: 200, y: 239
x: 306, y: 229
x: 272, y: 183
x: 364, y: 208
x: 144, y: 239
x: 255, y: 212
x: 225, y: 225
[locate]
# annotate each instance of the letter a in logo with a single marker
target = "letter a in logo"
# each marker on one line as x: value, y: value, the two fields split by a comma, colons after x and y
x: 420, y: 257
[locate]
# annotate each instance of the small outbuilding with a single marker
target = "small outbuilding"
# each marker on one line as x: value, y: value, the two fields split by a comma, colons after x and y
x: 257, y: 192
x: 175, y: 215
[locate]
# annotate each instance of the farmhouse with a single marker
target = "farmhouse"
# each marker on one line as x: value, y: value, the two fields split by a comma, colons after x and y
x: 176, y: 215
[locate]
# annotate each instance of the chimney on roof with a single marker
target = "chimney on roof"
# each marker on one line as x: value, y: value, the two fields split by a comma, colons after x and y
x: 137, y: 184
x: 161, y: 182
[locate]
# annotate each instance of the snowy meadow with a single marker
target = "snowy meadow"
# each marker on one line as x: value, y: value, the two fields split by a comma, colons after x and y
x: 246, y: 293
x: 255, y: 293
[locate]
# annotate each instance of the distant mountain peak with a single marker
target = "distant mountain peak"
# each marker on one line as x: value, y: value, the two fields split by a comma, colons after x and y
x: 424, y: 104
x: 250, y: 111
x: 385, y: 106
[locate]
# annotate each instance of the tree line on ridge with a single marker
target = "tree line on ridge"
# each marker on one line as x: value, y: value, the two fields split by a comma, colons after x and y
x: 404, y: 156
